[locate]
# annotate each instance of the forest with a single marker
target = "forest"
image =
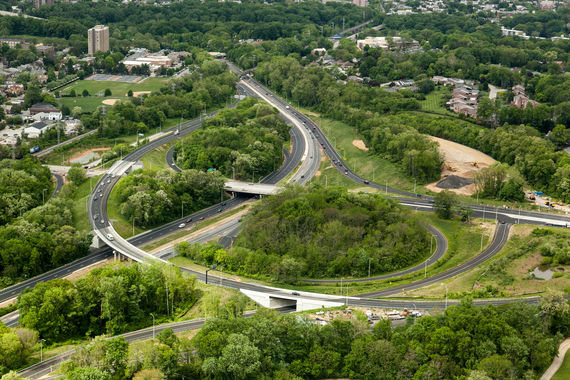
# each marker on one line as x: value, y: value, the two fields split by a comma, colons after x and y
x: 22, y: 184
x: 151, y: 198
x: 513, y: 341
x: 320, y: 232
x: 34, y: 236
x: 244, y: 142
x: 109, y: 300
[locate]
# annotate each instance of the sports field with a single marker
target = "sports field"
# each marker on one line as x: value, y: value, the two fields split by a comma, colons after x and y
x: 119, y: 91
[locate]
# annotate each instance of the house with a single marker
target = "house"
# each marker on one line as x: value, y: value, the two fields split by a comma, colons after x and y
x: 319, y: 51
x: 521, y: 100
x: 42, y: 107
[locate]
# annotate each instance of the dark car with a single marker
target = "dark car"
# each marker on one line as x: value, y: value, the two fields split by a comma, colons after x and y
x: 295, y: 293
x: 188, y: 220
x: 366, y: 181
x: 202, y: 218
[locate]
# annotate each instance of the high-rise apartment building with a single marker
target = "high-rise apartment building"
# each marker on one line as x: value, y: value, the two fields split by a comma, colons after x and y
x: 98, y: 39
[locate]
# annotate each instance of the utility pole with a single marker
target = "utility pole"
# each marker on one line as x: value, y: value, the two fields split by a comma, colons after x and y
x: 369, y: 259
x: 152, y: 325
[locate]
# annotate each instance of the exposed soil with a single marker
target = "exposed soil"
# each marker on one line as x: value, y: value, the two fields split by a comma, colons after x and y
x: 360, y: 145
x: 461, y: 163
x: 86, y: 152
x: 139, y: 93
x: 110, y: 102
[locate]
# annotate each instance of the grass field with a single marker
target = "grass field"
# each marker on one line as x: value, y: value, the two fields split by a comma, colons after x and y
x: 80, y: 220
x: 563, y: 372
x: 119, y: 90
x: 364, y: 163
x: 432, y: 103
x: 511, y: 281
x: 156, y: 160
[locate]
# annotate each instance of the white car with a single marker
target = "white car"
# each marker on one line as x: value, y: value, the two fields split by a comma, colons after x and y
x: 182, y: 225
x: 110, y: 237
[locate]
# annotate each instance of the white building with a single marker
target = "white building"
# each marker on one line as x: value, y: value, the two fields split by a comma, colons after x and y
x: 48, y: 116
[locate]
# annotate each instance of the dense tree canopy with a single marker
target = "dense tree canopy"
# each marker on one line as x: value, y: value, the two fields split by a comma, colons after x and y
x: 325, y: 232
x: 21, y: 187
x: 245, y: 141
x: 108, y: 300
x: 508, y: 342
x: 151, y: 197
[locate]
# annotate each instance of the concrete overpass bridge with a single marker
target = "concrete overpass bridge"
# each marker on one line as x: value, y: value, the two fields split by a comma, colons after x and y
x: 251, y: 188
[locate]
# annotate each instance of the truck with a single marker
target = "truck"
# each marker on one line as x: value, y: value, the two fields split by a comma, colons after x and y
x: 35, y: 149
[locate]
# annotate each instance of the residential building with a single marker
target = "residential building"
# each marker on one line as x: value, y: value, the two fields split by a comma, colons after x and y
x: 520, y: 99
x: 360, y: 3
x: 13, y: 42
x: 464, y: 101
x: 98, y: 39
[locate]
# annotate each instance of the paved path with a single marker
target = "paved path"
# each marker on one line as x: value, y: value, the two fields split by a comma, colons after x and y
x: 557, y: 362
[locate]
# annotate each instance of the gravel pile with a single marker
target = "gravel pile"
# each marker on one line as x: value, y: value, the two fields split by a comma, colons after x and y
x: 453, y: 182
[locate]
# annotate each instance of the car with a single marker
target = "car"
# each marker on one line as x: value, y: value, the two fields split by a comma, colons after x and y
x: 110, y: 237
x: 188, y: 220
x: 366, y: 181
x: 303, y: 176
x: 345, y: 171
x: 287, y: 107
x: 295, y: 293
x: 220, y: 210
x: 94, y: 197
x: 502, y: 222
x: 182, y: 225
x: 102, y: 221
x: 202, y: 218
x: 108, y: 180
x: 96, y: 216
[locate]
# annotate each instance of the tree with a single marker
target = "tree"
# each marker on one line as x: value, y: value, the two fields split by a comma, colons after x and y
x: 445, y: 204
x: 85, y: 92
x: 33, y: 95
x: 72, y: 93
x: 77, y: 175
x: 240, y: 358
x: 108, y: 92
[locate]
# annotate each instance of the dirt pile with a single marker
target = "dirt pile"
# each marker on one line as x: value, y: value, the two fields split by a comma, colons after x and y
x: 453, y: 182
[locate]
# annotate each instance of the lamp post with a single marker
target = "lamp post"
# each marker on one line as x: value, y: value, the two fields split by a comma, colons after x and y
x: 152, y: 325
x: 134, y: 217
x: 442, y: 284
x: 207, y: 270
x: 43, y: 196
x: 182, y: 202
x: 42, y: 350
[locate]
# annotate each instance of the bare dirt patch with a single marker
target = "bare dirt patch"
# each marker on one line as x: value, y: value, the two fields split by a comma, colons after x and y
x: 318, y: 173
x: 84, y: 153
x: 110, y: 102
x: 459, y: 161
x: 139, y: 93
x: 360, y: 145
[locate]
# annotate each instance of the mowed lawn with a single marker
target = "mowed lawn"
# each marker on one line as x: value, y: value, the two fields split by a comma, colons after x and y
x: 432, y: 103
x: 119, y: 90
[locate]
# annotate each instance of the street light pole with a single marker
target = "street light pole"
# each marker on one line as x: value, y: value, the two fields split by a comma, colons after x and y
x: 152, y: 325
x: 43, y: 196
x: 42, y: 350
x: 369, y: 259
